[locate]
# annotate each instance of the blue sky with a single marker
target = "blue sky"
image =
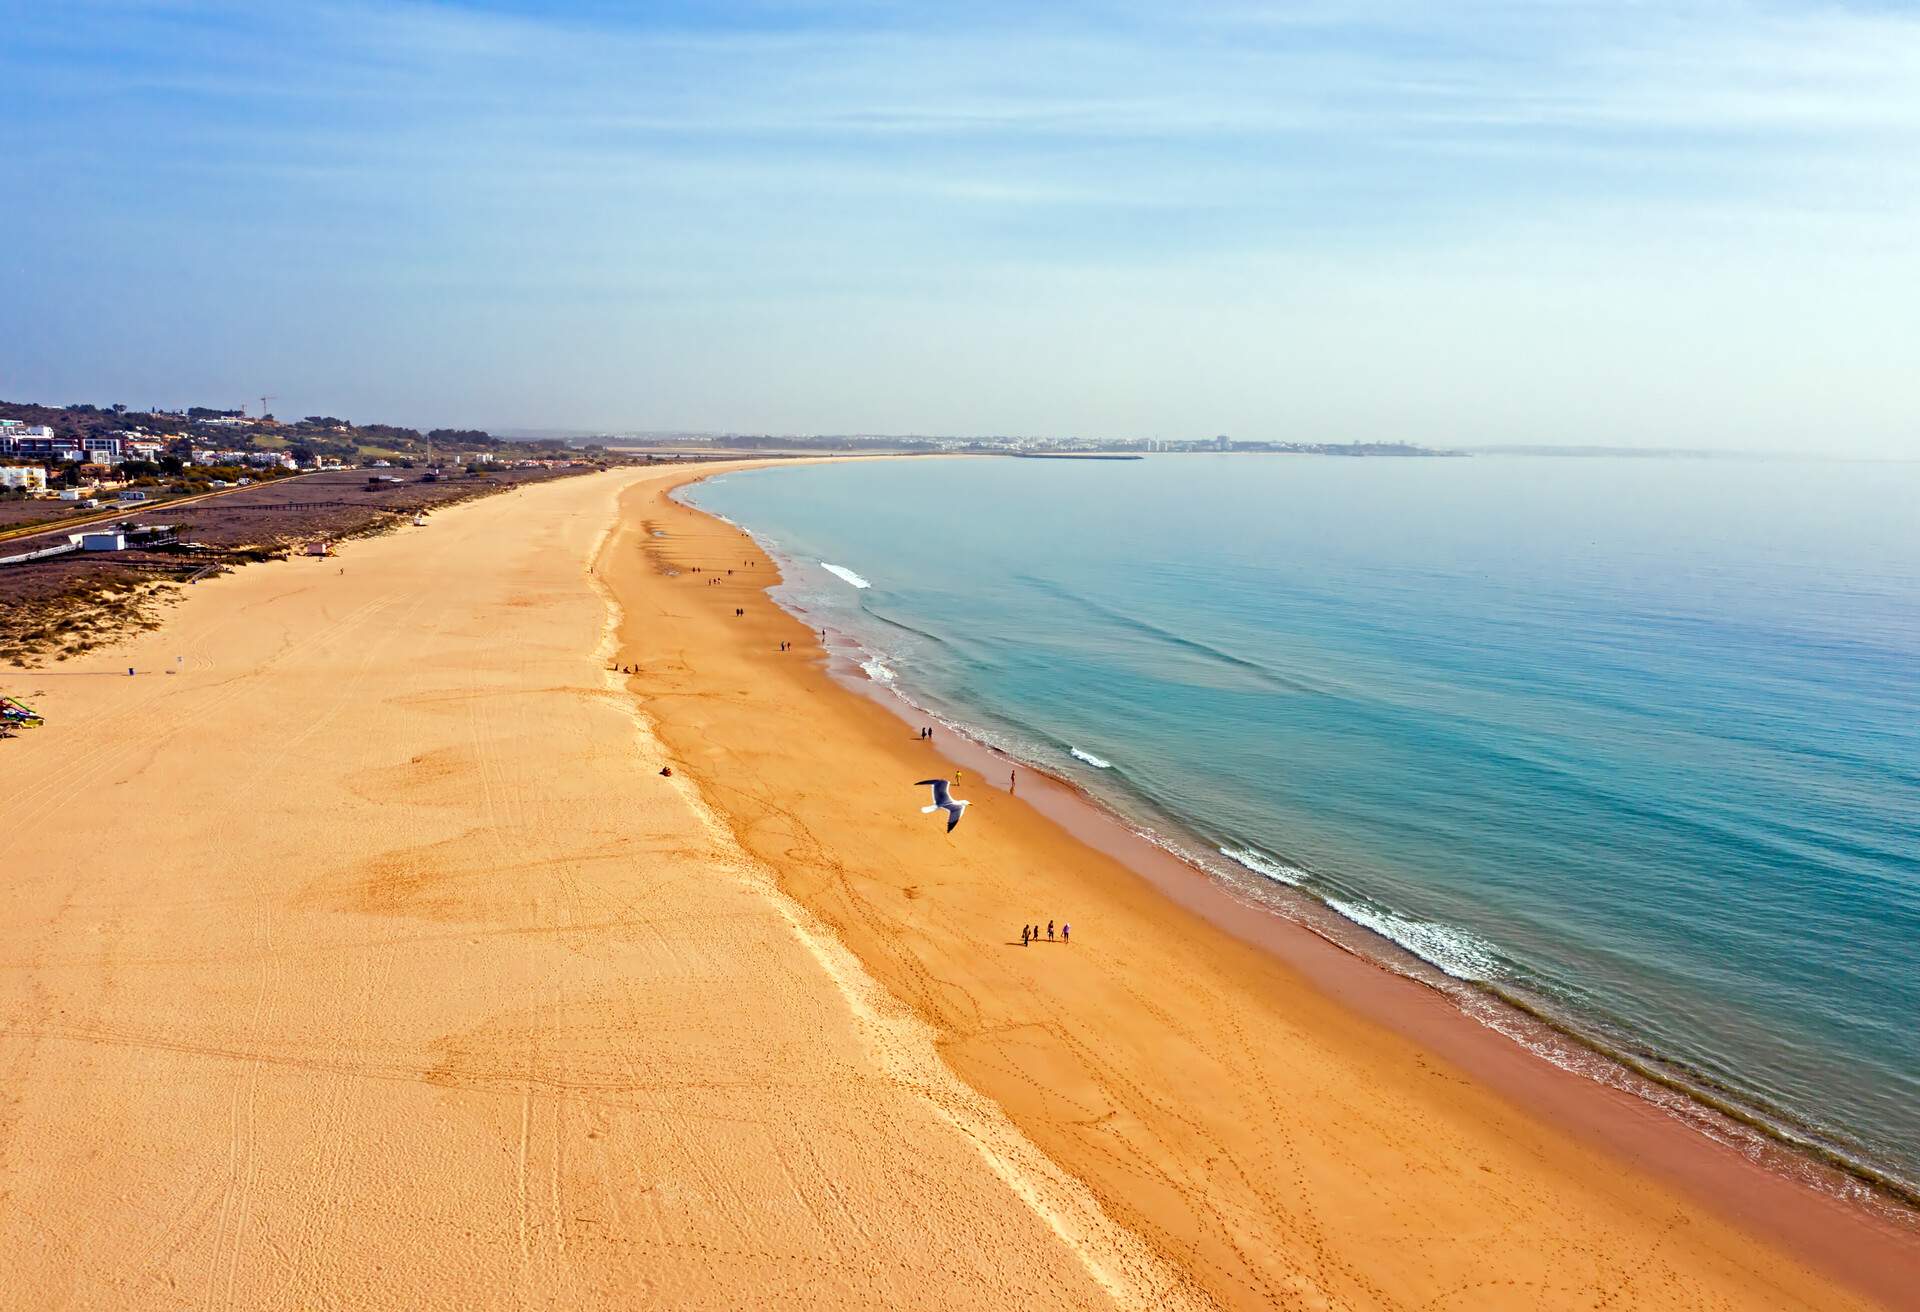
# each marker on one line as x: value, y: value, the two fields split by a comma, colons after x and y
x: 1692, y: 224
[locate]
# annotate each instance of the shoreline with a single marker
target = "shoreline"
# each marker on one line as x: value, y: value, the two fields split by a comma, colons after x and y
x: 1156, y: 848
x: 1779, y: 1150
x: 1374, y: 991
x: 1769, y: 1193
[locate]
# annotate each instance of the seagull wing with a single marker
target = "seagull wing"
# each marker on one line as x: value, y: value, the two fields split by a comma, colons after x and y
x: 941, y: 797
x: 953, y: 814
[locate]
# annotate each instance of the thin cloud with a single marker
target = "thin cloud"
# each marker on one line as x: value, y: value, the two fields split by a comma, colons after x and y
x: 830, y: 160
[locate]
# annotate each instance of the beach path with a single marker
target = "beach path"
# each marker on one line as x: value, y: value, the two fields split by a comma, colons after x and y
x: 354, y: 954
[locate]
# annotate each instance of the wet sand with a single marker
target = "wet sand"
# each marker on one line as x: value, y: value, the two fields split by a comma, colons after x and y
x: 367, y: 960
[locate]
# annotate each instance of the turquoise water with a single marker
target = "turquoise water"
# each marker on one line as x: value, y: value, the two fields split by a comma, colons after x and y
x: 1637, y: 741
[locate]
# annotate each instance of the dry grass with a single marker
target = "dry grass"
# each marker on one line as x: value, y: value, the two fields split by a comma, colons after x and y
x: 69, y: 623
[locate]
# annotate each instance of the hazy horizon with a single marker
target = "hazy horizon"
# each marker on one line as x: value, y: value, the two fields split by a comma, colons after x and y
x: 1696, y: 227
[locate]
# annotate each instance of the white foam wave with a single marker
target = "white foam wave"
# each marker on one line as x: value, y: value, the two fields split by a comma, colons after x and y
x: 1454, y: 951
x: 877, y: 670
x: 1262, y: 864
x: 1092, y: 760
x: 842, y: 572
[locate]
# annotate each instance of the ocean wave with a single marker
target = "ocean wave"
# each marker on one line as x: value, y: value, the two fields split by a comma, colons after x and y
x: 1445, y: 947
x: 1267, y: 674
x: 1262, y: 864
x: 843, y: 573
x: 1092, y: 760
x: 877, y: 670
x: 890, y: 621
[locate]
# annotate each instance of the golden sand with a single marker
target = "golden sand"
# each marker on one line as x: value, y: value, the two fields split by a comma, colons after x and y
x: 356, y: 954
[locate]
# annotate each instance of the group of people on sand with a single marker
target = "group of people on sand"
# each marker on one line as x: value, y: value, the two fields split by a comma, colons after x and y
x: 1030, y: 934
x: 786, y: 646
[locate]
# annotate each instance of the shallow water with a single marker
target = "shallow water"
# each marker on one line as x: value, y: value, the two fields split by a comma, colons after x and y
x: 1637, y: 741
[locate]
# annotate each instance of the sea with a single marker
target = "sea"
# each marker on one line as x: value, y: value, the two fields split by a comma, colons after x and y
x: 1632, y: 744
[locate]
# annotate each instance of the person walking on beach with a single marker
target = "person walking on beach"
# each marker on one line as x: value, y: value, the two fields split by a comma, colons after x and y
x: 1066, y: 932
x: 1025, y: 935
x: 1049, y: 931
x: 1013, y: 778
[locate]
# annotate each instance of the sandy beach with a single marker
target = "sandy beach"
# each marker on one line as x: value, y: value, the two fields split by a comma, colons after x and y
x: 358, y: 954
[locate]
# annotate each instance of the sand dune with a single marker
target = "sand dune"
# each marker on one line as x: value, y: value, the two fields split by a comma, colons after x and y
x: 355, y: 954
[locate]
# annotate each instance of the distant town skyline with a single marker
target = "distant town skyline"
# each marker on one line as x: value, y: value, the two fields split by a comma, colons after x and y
x: 1693, y: 226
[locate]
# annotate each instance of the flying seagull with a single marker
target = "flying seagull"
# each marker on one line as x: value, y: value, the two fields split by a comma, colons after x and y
x: 943, y: 800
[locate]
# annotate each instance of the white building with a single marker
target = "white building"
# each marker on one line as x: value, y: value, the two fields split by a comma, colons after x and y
x: 17, y: 438
x: 107, y: 450
x: 31, y: 477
